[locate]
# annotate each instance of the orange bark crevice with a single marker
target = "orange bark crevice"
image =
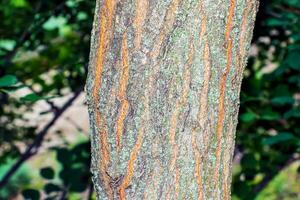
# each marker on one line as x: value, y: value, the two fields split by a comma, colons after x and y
x: 133, y: 155
x: 229, y: 23
x: 123, y: 82
x: 242, y: 39
x: 139, y: 20
x: 221, y: 107
x: 106, y: 18
x: 198, y: 166
x: 130, y: 166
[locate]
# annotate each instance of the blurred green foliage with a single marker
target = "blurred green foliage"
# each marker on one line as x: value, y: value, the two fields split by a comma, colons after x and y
x: 21, y: 177
x: 44, y: 47
x: 268, y: 134
x: 45, y: 44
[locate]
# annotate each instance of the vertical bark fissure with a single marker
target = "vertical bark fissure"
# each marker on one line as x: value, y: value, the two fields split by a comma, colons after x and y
x: 221, y: 114
x: 122, y: 93
x: 107, y: 15
x: 130, y: 166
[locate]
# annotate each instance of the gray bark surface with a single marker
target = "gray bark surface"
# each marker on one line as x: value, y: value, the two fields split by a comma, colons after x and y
x: 163, y: 94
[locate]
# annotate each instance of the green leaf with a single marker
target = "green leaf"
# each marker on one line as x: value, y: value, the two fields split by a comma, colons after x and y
x: 279, y: 138
x: 31, y: 194
x: 293, y: 3
x: 18, y: 3
x: 270, y: 115
x: 50, y: 187
x: 47, y: 173
x: 293, y: 59
x: 7, y: 44
x: 54, y: 22
x: 283, y: 100
x: 71, y: 3
x: 8, y: 81
x: 63, y: 155
x: 248, y: 117
x: 295, y: 36
x: 292, y: 113
x: 82, y: 16
x: 276, y: 22
x: 31, y: 97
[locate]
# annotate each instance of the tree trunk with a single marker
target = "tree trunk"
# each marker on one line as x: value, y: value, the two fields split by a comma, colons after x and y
x: 163, y: 94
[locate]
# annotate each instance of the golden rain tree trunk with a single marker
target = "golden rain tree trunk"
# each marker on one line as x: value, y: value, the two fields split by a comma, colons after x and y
x: 163, y: 94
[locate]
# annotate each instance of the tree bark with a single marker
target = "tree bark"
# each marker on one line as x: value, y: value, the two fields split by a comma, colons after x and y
x: 163, y: 94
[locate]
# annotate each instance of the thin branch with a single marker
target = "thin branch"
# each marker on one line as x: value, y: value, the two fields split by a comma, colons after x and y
x: 34, y: 147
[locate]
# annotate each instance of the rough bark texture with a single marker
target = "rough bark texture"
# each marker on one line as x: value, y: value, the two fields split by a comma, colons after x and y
x: 163, y: 94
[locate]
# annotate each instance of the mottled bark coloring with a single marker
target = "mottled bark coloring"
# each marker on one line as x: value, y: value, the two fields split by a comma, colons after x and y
x: 163, y: 96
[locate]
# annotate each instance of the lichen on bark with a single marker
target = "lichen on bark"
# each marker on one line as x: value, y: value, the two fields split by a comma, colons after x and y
x: 163, y: 95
